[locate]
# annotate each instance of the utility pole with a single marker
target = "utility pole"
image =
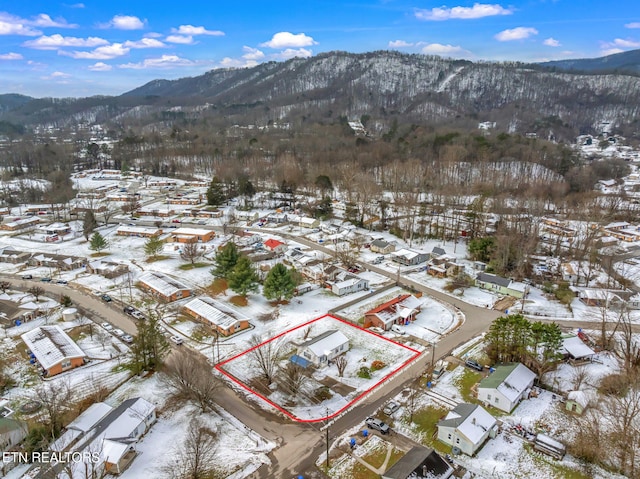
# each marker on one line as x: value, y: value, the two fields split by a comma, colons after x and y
x: 327, y: 438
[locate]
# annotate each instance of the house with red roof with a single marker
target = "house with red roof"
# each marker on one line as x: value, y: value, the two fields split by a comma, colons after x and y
x: 400, y: 310
x: 278, y: 247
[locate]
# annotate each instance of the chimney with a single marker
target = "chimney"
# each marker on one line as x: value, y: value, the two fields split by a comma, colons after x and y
x: 473, y: 421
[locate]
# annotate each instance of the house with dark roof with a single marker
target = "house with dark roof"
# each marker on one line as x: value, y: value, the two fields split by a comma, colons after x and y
x: 382, y: 247
x: 467, y: 427
x: 419, y: 463
x: 500, y: 285
x: 506, y: 386
x: 399, y: 310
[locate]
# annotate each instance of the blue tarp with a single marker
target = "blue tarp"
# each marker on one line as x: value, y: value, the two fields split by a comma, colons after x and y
x: 300, y: 361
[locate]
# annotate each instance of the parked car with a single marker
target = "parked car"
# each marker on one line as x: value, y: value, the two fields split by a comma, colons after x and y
x: 396, y: 328
x: 176, y: 340
x: 138, y: 315
x: 375, y: 329
x: 107, y: 326
x: 129, y: 309
x: 377, y: 424
x: 62, y: 281
x: 127, y: 338
x: 106, y: 298
x: 119, y: 332
x: 45, y: 279
x: 27, y: 276
x: 377, y: 260
x: 390, y: 408
x: 474, y: 364
x: 176, y: 221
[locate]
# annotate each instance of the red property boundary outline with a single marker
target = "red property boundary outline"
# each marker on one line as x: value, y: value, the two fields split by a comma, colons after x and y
x: 220, y: 368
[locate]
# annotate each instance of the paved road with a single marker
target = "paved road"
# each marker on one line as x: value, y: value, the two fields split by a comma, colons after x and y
x: 92, y: 303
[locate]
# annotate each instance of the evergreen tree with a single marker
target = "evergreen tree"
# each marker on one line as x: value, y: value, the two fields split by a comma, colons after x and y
x: 279, y: 283
x: 149, y: 347
x: 98, y: 242
x: 243, y: 279
x: 215, y: 192
x: 226, y: 259
x: 324, y: 209
x: 153, y: 246
x: 89, y: 224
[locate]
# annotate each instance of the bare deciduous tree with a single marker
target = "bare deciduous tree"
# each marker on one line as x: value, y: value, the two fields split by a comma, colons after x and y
x: 191, y: 252
x: 341, y: 364
x: 36, y: 292
x: 189, y: 377
x: 265, y: 357
x: 293, y: 377
x: 195, y: 458
x: 56, y: 398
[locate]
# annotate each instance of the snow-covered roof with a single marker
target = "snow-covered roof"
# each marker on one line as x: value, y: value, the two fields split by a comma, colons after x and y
x: 407, y: 253
x: 191, y: 231
x: 576, y: 348
x: 161, y: 283
x: 127, y: 422
x: 470, y: 420
x: 89, y: 418
x: 216, y: 313
x: 326, y: 342
x: 138, y: 230
x: 583, y: 398
x: 510, y: 379
x: 51, y: 345
x: 112, y: 451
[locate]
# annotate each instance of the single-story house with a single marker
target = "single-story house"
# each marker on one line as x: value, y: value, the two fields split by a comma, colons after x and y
x: 599, y: 297
x: 9, y: 254
x: 467, y: 427
x: 108, y: 269
x: 399, y: 310
x: 12, y: 433
x: 57, y: 261
x: 156, y: 211
x: 277, y: 218
x: 246, y: 215
x: 276, y: 246
x: 437, y: 251
x: 382, y: 247
x: 506, y: 386
x: 20, y: 224
x: 53, y: 349
x: 409, y: 257
x: 163, y: 286
x: 218, y: 316
x: 347, y: 283
x: 419, y: 463
x: 306, y: 222
x: 324, y: 347
x: 192, y: 235
x: 501, y: 285
x: 140, y: 231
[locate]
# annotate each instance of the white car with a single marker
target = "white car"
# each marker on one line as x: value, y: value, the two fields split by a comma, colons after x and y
x: 107, y: 326
x: 396, y: 328
x: 375, y: 329
x: 176, y: 340
x: 127, y: 338
x: 119, y: 332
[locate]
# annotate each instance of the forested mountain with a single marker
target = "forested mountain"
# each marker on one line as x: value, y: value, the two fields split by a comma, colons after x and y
x: 381, y: 86
x: 618, y: 62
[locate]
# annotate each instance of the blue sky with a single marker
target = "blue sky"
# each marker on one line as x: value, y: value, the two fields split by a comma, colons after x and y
x: 106, y: 48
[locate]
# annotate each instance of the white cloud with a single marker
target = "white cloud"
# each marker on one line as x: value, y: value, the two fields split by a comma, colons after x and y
x: 228, y: 62
x: 144, y: 43
x: 11, y: 56
x: 153, y: 35
x: 126, y: 22
x: 191, y: 30
x: 287, y: 39
x: 439, y: 49
x: 44, y: 20
x: 478, y: 10
x: 165, y: 61
x: 56, y: 41
x: 10, y: 25
x: 399, y: 44
x: 292, y: 53
x: 551, y: 42
x: 181, y: 39
x: 106, y: 52
x: 518, y: 33
x: 632, y: 25
x: 252, y: 54
x: 100, y: 67
x: 75, y: 5
x: 622, y: 43
x: 59, y: 75
x: 611, y: 51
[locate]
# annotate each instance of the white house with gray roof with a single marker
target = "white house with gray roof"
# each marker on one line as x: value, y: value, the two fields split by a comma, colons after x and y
x: 467, y: 427
x: 500, y: 285
x: 324, y: 348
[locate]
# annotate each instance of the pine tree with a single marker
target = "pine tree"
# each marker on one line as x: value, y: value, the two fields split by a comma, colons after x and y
x: 98, y: 242
x: 243, y: 279
x: 279, y: 283
x: 153, y: 246
x: 215, y: 192
x: 149, y: 347
x: 226, y: 259
x: 89, y: 224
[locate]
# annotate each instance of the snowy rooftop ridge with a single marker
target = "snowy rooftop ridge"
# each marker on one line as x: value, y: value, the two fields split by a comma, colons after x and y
x: 214, y: 312
x: 161, y: 283
x: 51, y: 345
